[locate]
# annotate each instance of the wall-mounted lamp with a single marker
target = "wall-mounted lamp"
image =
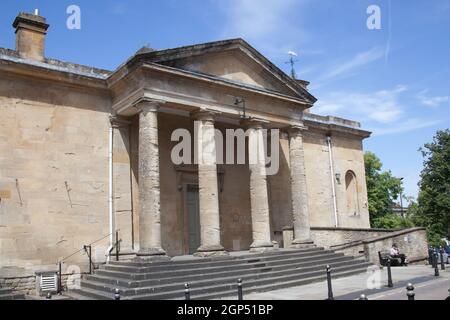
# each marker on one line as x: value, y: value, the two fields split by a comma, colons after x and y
x: 338, y: 178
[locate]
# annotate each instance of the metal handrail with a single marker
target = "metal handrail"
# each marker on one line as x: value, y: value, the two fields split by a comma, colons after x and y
x: 116, y: 246
x: 90, y: 244
x: 88, y: 253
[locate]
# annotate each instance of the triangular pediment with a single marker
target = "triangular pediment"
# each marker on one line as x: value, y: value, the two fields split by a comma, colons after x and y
x: 232, y: 60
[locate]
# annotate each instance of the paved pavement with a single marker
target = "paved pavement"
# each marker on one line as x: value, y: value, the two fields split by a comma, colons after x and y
x: 373, y: 284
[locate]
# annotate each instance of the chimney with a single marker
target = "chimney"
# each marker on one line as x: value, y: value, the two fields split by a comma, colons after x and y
x: 31, y: 30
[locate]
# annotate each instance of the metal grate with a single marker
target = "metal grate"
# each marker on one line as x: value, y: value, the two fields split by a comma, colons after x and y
x: 49, y: 282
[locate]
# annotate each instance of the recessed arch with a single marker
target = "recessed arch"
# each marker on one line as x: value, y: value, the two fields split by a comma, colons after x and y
x: 351, y: 190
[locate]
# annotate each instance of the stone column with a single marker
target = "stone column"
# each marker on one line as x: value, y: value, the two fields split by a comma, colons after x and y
x: 259, y: 200
x: 302, y: 232
x: 149, y: 184
x: 208, y: 186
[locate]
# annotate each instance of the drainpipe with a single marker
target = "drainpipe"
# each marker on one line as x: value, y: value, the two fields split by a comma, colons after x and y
x: 111, y: 192
x: 333, y: 183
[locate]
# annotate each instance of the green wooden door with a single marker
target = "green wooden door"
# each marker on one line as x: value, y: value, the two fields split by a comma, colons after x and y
x: 193, y: 209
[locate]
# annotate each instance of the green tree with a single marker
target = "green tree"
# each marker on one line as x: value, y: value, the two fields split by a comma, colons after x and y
x: 392, y: 221
x: 433, y: 207
x: 382, y: 188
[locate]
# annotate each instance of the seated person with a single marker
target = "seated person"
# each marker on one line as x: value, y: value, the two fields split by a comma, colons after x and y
x: 395, y: 254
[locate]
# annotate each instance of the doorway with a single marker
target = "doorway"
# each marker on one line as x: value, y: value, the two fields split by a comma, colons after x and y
x: 193, y: 218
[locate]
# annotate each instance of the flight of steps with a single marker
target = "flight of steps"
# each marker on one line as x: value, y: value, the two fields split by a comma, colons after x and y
x: 214, y: 278
x: 9, y: 294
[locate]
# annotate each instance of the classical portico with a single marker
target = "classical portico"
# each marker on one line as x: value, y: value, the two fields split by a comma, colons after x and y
x: 212, y: 101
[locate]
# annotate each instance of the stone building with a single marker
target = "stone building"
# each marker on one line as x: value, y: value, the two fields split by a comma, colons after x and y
x: 85, y: 152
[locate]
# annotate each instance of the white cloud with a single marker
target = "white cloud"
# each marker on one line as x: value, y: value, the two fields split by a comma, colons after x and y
x: 404, y: 126
x: 381, y: 107
x: 255, y: 18
x: 358, y: 61
x: 269, y: 25
x: 381, y: 112
x: 431, y: 101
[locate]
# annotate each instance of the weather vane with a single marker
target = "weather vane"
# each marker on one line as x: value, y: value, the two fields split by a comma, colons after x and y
x: 292, y: 62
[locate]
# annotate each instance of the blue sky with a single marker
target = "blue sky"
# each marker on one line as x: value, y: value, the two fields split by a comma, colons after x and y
x: 395, y: 81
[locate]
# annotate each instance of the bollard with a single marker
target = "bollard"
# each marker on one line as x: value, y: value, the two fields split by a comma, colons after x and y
x: 116, y: 294
x: 441, y: 253
x: 363, y: 297
x: 436, y: 269
x: 60, y: 288
x: 448, y: 298
x: 390, y: 283
x: 49, y: 296
x: 187, y: 292
x: 410, y: 291
x: 430, y: 256
x: 433, y: 260
x: 240, y: 294
x: 330, y: 288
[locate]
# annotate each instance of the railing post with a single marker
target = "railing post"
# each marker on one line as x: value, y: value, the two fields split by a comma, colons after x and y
x: 410, y: 291
x: 187, y: 292
x: 60, y: 288
x: 116, y: 294
x: 240, y: 294
x: 389, y: 272
x: 363, y: 297
x: 330, y: 288
x: 117, y: 245
x: 441, y: 253
x: 436, y: 269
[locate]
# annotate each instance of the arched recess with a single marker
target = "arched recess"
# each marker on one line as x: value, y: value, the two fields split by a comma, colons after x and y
x: 351, y: 189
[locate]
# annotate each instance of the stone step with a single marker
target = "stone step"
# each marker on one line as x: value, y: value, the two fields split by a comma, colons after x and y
x: 292, y: 272
x: 187, y: 272
x: 217, y: 291
x: 9, y: 294
x: 224, y: 290
x: 191, y: 260
x: 216, y: 277
x: 5, y: 291
x: 169, y: 277
x: 188, y: 267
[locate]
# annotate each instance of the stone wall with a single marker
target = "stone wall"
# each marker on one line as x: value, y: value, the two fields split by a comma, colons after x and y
x: 412, y: 242
x: 368, y: 242
x: 53, y: 173
x: 327, y: 237
x: 26, y: 285
x: 348, y: 155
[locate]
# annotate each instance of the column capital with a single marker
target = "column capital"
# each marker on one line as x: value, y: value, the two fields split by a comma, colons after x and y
x: 148, y: 105
x: 254, y: 123
x: 296, y: 130
x: 205, y: 115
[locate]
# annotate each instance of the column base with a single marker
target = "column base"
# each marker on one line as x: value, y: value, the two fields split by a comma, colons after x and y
x: 152, y: 254
x: 211, y: 251
x: 262, y: 247
x: 301, y: 244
